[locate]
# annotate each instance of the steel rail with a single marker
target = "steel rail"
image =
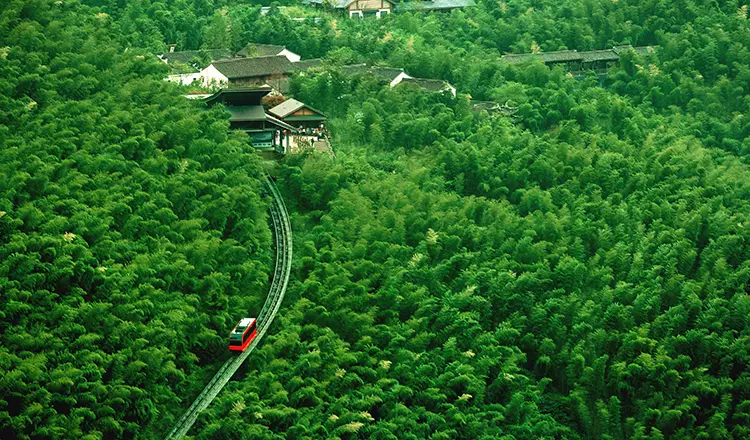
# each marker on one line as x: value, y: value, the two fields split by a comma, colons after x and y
x: 283, y: 244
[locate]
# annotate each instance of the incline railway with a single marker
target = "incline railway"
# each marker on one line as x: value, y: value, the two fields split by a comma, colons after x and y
x: 283, y: 239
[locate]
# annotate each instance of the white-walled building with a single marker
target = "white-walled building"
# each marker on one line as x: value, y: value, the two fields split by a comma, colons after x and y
x: 185, y: 79
x: 273, y: 71
x: 188, y: 56
x: 264, y: 50
x: 359, y: 8
x: 395, y: 76
x: 378, y: 8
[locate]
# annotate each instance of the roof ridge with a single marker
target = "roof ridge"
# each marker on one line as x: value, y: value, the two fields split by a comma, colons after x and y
x: 248, y: 59
x: 293, y: 104
x: 426, y: 79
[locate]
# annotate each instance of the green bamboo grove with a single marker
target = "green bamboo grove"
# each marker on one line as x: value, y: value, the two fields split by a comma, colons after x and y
x: 578, y: 269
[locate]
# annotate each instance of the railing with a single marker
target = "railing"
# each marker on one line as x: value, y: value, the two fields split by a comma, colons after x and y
x: 283, y: 243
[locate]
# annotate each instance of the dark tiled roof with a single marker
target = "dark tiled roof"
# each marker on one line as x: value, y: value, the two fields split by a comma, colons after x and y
x: 239, y: 96
x: 572, y: 55
x: 518, y: 58
x: 354, y: 69
x: 561, y: 56
x: 186, y: 56
x: 260, y: 50
x: 431, y: 85
x: 241, y: 113
x: 252, y: 67
x: 600, y: 55
x: 624, y: 48
x: 280, y: 123
x: 305, y: 64
x: 389, y: 73
x: 434, y: 5
x: 545, y: 57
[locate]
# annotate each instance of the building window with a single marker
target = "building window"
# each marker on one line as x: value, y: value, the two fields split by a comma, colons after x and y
x: 382, y: 11
x: 357, y: 13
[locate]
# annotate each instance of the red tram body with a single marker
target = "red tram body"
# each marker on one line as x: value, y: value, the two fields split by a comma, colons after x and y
x: 243, y: 334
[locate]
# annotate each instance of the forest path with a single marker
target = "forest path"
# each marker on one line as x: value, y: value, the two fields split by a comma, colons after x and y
x: 283, y: 241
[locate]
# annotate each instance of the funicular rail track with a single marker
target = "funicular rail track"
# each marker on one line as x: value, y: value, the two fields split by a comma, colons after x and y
x: 283, y: 241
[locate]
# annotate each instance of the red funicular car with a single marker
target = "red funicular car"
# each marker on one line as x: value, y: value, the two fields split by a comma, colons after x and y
x: 243, y: 334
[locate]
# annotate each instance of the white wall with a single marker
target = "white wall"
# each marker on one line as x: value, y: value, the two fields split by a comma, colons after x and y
x: 211, y: 76
x: 293, y: 57
x: 184, y: 78
x: 401, y: 76
x: 198, y: 96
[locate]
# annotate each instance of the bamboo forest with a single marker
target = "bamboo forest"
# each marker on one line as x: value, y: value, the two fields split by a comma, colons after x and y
x: 374, y: 219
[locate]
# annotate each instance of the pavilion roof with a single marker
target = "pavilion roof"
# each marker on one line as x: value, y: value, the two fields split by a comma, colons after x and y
x: 290, y: 106
x: 239, y: 96
x: 279, y: 123
x: 243, y: 113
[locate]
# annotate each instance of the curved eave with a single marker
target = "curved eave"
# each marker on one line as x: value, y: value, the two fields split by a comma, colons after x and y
x: 303, y: 118
x: 280, y: 123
